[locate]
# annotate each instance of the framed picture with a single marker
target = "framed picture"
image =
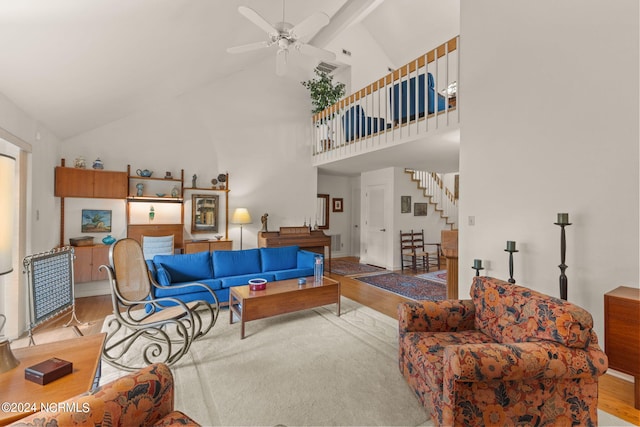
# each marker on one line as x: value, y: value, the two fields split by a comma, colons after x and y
x: 420, y: 209
x: 337, y: 204
x: 96, y: 221
x: 405, y: 204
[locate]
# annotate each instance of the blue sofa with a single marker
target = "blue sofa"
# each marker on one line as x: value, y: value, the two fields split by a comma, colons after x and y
x: 356, y: 124
x: 398, y: 98
x: 221, y: 270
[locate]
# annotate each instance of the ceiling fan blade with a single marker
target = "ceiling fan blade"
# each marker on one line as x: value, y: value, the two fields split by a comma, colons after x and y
x: 254, y: 17
x: 310, y: 25
x: 248, y: 47
x: 322, y: 54
x: 281, y: 62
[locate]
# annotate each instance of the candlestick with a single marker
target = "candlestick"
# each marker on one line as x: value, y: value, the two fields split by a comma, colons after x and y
x: 563, y: 218
x: 511, y: 248
x: 563, y: 222
x: 477, y: 266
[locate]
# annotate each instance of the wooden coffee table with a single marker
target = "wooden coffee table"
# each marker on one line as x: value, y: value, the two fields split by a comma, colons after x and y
x: 280, y: 297
x: 23, y: 396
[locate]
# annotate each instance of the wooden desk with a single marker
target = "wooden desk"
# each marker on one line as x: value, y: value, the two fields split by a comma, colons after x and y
x: 622, y: 333
x: 83, y: 352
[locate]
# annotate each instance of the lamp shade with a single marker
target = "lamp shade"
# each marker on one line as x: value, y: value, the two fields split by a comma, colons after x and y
x: 241, y: 216
x: 7, y: 209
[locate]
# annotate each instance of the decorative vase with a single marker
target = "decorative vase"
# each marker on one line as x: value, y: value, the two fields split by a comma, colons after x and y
x: 108, y: 240
x: 97, y: 164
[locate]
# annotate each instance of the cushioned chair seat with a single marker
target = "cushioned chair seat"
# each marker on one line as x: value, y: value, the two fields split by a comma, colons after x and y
x: 356, y: 124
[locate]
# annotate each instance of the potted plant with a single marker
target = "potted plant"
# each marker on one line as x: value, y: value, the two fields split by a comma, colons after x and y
x: 323, y: 93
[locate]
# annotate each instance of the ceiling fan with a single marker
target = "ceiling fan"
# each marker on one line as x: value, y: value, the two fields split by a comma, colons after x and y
x: 285, y: 36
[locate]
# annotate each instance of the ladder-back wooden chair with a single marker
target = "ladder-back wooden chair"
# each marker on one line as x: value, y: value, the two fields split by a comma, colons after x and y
x: 413, y: 253
x: 146, y: 329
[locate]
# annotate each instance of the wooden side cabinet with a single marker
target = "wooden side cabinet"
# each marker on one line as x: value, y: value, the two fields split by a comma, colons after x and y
x: 88, y: 260
x: 191, y: 246
x: 90, y: 183
x: 622, y: 333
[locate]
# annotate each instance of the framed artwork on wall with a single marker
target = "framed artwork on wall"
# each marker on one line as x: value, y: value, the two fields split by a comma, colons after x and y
x: 96, y: 221
x: 337, y: 204
x: 420, y: 209
x: 405, y: 204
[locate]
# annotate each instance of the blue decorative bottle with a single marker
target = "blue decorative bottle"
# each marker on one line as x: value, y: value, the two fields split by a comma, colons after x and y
x: 318, y: 269
x: 108, y: 240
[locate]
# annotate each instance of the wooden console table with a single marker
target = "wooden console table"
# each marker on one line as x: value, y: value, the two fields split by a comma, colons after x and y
x: 193, y: 246
x: 83, y: 352
x: 622, y: 333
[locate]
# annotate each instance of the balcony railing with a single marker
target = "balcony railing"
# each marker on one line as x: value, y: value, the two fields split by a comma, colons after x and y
x: 417, y: 99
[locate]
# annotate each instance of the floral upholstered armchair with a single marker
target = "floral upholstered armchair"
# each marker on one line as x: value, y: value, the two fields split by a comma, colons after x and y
x: 143, y: 398
x: 508, y: 356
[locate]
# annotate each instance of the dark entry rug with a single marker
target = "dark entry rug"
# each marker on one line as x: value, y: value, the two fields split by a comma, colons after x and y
x: 408, y: 286
x: 349, y: 268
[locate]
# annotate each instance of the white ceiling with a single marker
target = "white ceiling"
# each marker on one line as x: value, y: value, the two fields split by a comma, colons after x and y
x: 75, y: 65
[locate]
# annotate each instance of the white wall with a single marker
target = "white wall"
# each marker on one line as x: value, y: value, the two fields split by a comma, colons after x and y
x: 339, y: 222
x: 549, y: 128
x: 254, y: 125
x: 432, y: 223
x: 368, y: 61
x: 38, y: 226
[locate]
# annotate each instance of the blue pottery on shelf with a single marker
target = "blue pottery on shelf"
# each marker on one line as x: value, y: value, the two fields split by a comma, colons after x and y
x: 108, y: 240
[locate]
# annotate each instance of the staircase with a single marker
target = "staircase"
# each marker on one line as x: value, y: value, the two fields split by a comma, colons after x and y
x: 438, y: 195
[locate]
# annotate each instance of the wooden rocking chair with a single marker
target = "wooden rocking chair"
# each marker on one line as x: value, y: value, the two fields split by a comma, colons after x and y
x: 162, y: 329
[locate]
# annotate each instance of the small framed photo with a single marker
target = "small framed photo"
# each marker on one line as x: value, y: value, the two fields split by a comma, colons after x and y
x: 337, y: 204
x: 420, y: 209
x: 405, y: 204
x: 96, y: 221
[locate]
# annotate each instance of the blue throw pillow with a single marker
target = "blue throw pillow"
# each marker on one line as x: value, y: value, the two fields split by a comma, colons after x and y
x: 186, y: 267
x: 164, y: 278
x: 236, y: 263
x: 276, y: 259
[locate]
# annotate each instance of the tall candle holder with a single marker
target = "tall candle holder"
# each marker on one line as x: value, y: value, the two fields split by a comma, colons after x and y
x: 477, y: 266
x: 563, y: 221
x: 511, y: 248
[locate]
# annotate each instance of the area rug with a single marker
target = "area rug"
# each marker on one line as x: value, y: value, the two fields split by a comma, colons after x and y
x: 349, y: 268
x: 439, y: 276
x: 408, y: 286
x: 308, y: 368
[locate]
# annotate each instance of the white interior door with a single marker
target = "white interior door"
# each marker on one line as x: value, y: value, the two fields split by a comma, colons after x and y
x: 355, y: 221
x: 375, y: 226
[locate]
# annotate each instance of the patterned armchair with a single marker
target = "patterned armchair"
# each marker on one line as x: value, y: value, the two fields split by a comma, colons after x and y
x: 143, y: 398
x: 508, y: 356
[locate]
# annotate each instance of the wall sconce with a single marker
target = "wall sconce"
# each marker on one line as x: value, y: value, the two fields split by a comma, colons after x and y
x: 241, y: 216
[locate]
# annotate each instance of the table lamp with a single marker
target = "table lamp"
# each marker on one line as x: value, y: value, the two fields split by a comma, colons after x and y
x: 241, y: 216
x: 7, y: 208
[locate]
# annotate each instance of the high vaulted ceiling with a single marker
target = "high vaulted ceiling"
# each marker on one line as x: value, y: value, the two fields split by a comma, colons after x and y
x: 75, y: 65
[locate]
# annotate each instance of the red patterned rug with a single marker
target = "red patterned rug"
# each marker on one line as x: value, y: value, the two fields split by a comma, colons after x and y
x: 349, y: 268
x: 439, y: 276
x: 408, y: 286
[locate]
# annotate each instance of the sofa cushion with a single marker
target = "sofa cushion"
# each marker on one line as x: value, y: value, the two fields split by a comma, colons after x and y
x: 293, y: 273
x: 512, y: 313
x: 163, y: 276
x: 236, y: 263
x: 178, y: 292
x: 186, y: 267
x: 227, y: 282
x: 306, y: 259
x: 283, y: 258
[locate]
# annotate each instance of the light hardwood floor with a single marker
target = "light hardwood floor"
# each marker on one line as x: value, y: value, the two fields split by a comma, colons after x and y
x: 615, y: 394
